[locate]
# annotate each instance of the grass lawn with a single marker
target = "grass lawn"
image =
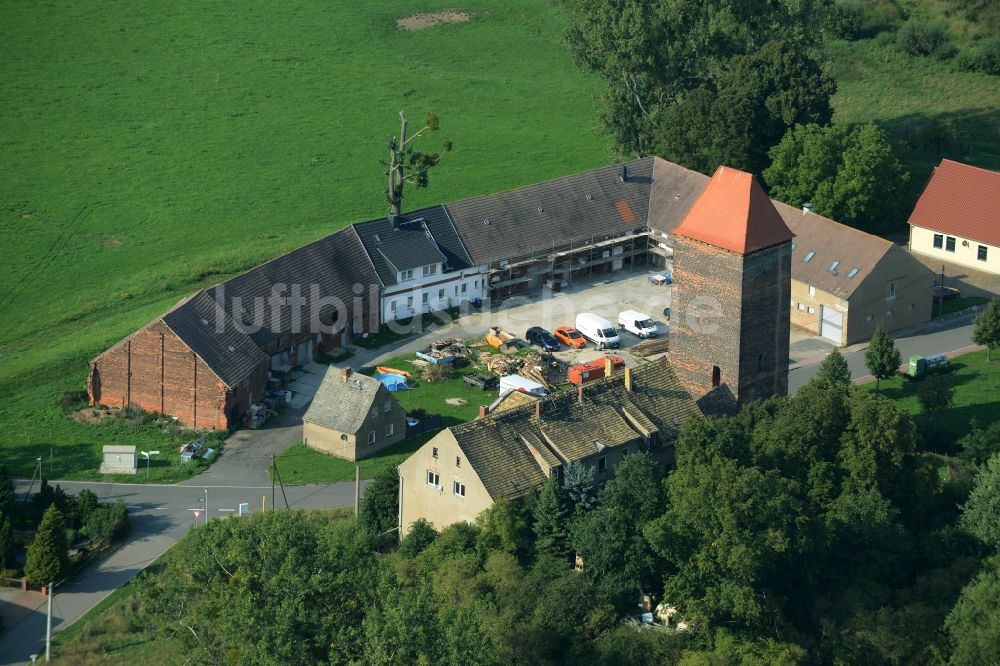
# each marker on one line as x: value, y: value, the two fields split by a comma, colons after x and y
x: 977, y: 396
x: 300, y: 464
x: 930, y: 108
x: 152, y: 149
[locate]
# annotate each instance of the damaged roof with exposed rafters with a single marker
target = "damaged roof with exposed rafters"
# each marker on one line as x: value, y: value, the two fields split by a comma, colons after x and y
x: 497, y: 446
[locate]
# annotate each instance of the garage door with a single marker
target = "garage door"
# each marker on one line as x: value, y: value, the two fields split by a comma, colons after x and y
x: 831, y: 324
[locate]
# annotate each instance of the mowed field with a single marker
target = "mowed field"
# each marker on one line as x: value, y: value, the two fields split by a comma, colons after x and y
x: 152, y: 148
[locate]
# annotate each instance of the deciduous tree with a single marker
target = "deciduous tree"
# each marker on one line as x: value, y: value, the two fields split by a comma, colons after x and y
x: 882, y: 358
x: 833, y: 371
x: 935, y: 393
x: 981, y: 512
x: 974, y: 623
x: 406, y: 164
x: 851, y: 175
x: 379, y: 511
x: 987, y: 328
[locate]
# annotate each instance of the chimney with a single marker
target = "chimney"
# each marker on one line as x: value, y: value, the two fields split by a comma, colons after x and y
x: 807, y: 207
x: 579, y: 394
x: 538, y: 409
x: 483, y: 411
x: 608, y: 366
x: 625, y: 174
x: 628, y: 379
x: 345, y: 373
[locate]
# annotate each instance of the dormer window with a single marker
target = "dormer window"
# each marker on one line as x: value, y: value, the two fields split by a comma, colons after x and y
x: 406, y: 275
x: 430, y: 269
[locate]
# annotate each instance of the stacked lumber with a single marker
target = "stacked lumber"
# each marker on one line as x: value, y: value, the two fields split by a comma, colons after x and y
x: 651, y: 346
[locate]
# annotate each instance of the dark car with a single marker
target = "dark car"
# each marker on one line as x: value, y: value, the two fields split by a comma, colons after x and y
x: 945, y: 293
x: 539, y: 336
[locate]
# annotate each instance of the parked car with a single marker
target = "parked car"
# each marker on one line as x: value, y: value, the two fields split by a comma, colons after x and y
x: 945, y: 293
x: 638, y: 323
x: 537, y: 335
x: 598, y: 330
x: 570, y: 337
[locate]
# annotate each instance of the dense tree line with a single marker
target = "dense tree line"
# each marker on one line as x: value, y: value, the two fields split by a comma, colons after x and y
x: 802, y: 530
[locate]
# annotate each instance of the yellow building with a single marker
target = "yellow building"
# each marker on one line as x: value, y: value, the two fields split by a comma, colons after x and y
x: 957, y: 217
x: 463, y: 470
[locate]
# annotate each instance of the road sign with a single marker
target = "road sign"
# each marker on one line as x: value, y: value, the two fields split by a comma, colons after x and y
x: 244, y: 508
x: 145, y: 454
x: 197, y: 514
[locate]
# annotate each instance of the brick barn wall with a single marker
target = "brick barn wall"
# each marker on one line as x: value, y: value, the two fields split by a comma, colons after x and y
x: 156, y: 371
x: 708, y: 281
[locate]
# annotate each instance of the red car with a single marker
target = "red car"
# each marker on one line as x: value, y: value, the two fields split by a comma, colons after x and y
x: 570, y: 337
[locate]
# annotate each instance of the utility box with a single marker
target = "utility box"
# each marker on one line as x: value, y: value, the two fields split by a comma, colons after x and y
x: 936, y: 362
x: 918, y: 366
x: 118, y: 460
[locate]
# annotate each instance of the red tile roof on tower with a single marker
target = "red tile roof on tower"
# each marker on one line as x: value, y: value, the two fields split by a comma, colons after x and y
x: 734, y: 213
x: 961, y: 200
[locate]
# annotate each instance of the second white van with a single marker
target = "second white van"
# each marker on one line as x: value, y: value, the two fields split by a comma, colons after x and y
x: 638, y: 323
x: 598, y: 330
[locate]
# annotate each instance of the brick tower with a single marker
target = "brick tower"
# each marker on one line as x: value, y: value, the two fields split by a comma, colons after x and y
x: 732, y: 271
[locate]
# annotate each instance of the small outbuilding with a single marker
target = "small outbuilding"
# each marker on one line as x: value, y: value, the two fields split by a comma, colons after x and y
x: 352, y: 416
x: 118, y: 460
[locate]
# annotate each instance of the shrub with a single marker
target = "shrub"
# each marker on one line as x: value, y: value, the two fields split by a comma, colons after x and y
x: 918, y: 38
x: 860, y: 19
x: 107, y: 522
x: 69, y: 401
x: 438, y: 372
x: 984, y: 57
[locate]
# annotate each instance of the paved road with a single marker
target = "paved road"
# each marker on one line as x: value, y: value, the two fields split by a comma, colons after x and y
x: 160, y: 516
x: 935, y: 338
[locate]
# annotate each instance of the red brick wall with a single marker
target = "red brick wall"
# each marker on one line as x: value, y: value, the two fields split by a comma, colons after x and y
x: 156, y: 371
x: 726, y: 311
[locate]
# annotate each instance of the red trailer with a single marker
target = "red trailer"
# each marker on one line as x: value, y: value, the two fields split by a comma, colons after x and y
x: 581, y: 373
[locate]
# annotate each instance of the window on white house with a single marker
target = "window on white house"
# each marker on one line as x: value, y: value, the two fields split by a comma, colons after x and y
x: 456, y: 290
x: 459, y: 488
x: 424, y: 298
x: 390, y: 429
x: 430, y: 270
x: 409, y: 301
x: 433, y: 479
x: 949, y: 244
x: 890, y: 290
x: 406, y: 275
x: 392, y: 306
x: 939, y: 241
x: 981, y: 253
x: 371, y: 437
x: 440, y: 294
x: 465, y: 287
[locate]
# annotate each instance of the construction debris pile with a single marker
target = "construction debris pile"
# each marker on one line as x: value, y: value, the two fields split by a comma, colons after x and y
x: 543, y: 369
x: 445, y: 350
x: 651, y: 347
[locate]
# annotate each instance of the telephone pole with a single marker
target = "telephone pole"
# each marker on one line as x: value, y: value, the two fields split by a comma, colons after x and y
x: 357, y: 489
x: 48, y: 623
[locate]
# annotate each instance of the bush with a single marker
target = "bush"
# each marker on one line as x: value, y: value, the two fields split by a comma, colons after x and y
x: 861, y: 19
x: 438, y: 372
x: 105, y: 523
x: 69, y: 401
x: 984, y: 57
x: 918, y: 38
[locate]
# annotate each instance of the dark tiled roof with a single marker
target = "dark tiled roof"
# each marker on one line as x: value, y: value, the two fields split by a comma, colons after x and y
x: 344, y: 405
x: 532, y: 219
x: 674, y: 190
x: 961, y: 200
x: 409, y: 246
x: 215, y: 338
x: 497, y: 445
x: 330, y: 266
x: 831, y: 241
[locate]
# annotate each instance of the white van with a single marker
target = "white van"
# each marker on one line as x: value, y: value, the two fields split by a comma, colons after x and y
x: 598, y: 330
x: 512, y: 383
x: 638, y: 323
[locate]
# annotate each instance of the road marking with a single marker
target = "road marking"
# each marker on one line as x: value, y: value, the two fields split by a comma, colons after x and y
x: 134, y: 506
x: 225, y: 509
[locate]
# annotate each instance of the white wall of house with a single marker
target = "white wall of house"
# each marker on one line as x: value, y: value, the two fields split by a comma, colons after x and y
x: 420, y: 294
x: 955, y: 249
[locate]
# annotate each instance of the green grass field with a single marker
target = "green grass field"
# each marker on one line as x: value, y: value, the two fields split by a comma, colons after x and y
x: 155, y: 148
x: 977, y: 387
